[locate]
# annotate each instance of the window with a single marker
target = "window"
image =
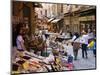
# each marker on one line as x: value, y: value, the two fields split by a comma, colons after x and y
x: 45, y: 12
x: 41, y: 12
x: 61, y: 8
x: 76, y: 6
x: 67, y: 4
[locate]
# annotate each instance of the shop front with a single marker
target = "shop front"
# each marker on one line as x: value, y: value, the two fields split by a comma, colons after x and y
x: 24, y: 12
x: 87, y: 23
x: 87, y: 20
x: 57, y: 24
x: 71, y: 21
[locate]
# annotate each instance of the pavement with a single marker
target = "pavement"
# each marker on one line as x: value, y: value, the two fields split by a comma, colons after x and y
x: 83, y: 63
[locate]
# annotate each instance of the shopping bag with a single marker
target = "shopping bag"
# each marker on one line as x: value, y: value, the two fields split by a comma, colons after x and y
x: 70, y: 66
x: 91, y: 44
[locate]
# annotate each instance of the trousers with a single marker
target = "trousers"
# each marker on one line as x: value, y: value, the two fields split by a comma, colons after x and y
x: 84, y: 50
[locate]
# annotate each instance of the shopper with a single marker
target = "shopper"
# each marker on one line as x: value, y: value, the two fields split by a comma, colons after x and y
x: 92, y: 45
x: 90, y: 34
x: 75, y: 36
x: 26, y: 38
x: 84, y: 41
x: 94, y: 48
x: 76, y: 47
x: 76, y: 44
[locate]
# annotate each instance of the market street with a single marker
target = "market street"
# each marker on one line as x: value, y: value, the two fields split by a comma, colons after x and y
x: 48, y: 37
x: 85, y: 63
x: 81, y: 63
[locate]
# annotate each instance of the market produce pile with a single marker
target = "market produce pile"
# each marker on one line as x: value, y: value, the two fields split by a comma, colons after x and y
x: 50, y: 55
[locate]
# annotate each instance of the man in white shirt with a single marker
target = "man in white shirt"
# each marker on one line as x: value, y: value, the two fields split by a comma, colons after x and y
x: 84, y: 41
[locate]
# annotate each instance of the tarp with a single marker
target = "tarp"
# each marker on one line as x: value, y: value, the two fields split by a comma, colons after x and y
x: 55, y: 21
x: 50, y: 19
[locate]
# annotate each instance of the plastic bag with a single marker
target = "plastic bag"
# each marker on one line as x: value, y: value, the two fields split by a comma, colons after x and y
x: 91, y: 44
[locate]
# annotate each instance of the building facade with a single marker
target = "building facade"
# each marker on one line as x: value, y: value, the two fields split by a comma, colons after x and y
x: 73, y: 18
x: 80, y: 17
x: 24, y: 12
x: 87, y: 18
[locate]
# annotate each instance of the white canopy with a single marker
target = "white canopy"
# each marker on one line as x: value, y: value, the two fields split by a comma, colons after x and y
x: 56, y: 20
x: 50, y: 19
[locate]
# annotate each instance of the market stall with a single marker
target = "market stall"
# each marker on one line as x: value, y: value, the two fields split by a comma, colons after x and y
x: 30, y: 62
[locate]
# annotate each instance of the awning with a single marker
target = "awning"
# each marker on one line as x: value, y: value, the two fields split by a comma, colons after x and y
x: 50, y: 19
x: 90, y: 11
x: 55, y: 21
x: 38, y: 5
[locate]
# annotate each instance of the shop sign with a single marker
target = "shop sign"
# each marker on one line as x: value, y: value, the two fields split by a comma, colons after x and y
x: 87, y: 18
x: 93, y: 17
x: 83, y: 19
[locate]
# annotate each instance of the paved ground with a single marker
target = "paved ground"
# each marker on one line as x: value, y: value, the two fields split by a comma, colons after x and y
x: 81, y: 63
x: 85, y: 63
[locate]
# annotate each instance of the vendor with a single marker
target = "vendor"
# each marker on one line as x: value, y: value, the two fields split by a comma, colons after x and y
x: 20, y: 41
